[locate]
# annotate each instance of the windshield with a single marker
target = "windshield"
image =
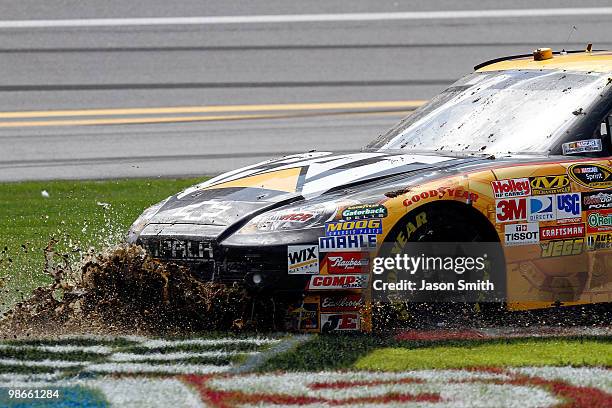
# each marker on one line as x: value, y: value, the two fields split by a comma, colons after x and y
x: 521, y: 111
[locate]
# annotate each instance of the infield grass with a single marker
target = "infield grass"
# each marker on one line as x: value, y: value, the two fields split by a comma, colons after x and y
x: 79, y: 214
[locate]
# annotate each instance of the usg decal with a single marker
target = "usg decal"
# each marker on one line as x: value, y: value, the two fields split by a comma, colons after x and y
x: 357, y: 227
x: 541, y: 208
x: 337, y: 282
x: 511, y: 188
x: 597, y: 200
x: 562, y: 231
x: 358, y: 212
x: 521, y: 234
x: 512, y: 209
x: 302, y: 259
x: 339, y: 322
x: 593, y: 176
x: 544, y: 185
x: 568, y: 206
x: 347, y: 243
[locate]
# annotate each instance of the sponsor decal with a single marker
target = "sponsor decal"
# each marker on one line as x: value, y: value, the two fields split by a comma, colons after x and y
x: 541, y: 208
x: 408, y: 229
x: 359, y: 212
x: 599, y: 241
x: 178, y: 249
x: 441, y: 193
x: 562, y: 231
x: 582, y: 146
x: 304, y: 316
x: 544, y: 185
x: 303, y: 259
x: 292, y: 217
x: 597, y: 200
x: 566, y: 247
x: 357, y: 227
x: 342, y: 303
x: 337, y: 282
x: 511, y: 209
x: 339, y: 322
x: 347, y: 243
x: 593, y: 176
x: 346, y: 262
x: 599, y: 221
x: 568, y: 206
x: 521, y: 234
x: 511, y: 188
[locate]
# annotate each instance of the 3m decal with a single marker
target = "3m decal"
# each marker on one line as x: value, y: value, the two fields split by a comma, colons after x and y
x: 511, y: 209
x: 593, y: 176
x: 357, y: 227
x: 567, y: 247
x: 303, y: 259
x: 599, y: 221
x: 541, y: 208
x: 597, y: 200
x: 521, y: 234
x: 562, y: 231
x: 511, y: 188
x: 337, y: 282
x: 582, y: 146
x: 346, y: 262
x: 597, y: 242
x: 569, y: 206
x: 544, y: 185
x: 347, y: 243
x: 358, y: 212
x: 339, y: 322
x: 442, y: 192
x: 342, y: 303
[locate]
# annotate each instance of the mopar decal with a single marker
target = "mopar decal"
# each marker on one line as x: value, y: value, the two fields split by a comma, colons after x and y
x: 359, y: 227
x: 593, y: 176
x: 543, y: 185
x: 347, y: 243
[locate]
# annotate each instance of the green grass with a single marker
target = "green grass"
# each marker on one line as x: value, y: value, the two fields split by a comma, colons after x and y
x: 72, y: 215
x: 558, y: 352
x: 369, y: 352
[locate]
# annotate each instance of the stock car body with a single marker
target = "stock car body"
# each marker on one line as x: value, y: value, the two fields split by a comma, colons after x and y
x: 517, y: 152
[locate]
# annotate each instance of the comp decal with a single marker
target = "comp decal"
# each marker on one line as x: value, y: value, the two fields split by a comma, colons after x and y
x: 338, y: 282
x: 594, y: 176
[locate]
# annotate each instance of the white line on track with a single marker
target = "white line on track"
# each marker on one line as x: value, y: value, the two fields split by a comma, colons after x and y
x: 308, y: 18
x: 176, y: 356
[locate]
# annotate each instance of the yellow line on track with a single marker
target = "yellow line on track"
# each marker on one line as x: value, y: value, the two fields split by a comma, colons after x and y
x: 410, y: 104
x: 172, y: 119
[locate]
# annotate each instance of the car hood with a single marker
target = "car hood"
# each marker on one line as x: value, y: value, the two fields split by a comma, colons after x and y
x: 241, y: 194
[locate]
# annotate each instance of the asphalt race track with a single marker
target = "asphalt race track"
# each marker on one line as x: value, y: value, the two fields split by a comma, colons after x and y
x: 115, y: 89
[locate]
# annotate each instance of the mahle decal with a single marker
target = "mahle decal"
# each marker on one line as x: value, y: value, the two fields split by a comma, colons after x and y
x: 593, y: 176
x: 543, y: 185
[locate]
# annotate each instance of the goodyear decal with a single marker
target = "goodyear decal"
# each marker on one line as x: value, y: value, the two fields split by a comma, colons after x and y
x: 592, y: 175
x: 358, y: 227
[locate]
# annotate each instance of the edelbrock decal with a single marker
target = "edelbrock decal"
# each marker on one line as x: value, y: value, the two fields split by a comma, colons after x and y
x: 303, y: 259
x: 341, y: 303
x: 521, y: 234
x: 347, y: 243
x: 511, y: 188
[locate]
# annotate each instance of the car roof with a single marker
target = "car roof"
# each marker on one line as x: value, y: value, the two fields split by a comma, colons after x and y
x: 576, y: 61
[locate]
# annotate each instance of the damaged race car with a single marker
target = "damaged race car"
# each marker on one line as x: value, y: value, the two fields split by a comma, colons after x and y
x: 517, y: 153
